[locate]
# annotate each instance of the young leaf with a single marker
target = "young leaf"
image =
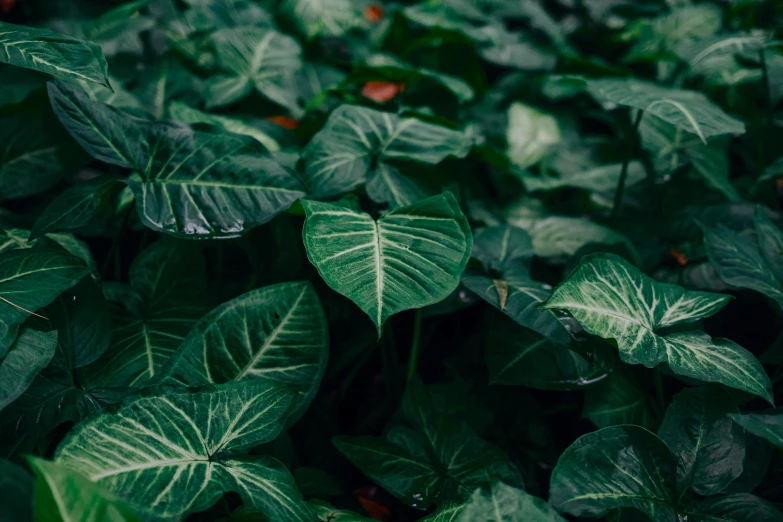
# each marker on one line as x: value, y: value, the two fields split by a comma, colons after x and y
x: 689, y: 110
x: 356, y: 142
x: 277, y: 333
x: 710, y: 447
x: 744, y: 262
x: 31, y: 279
x: 321, y: 17
x: 193, y: 184
x: 63, y: 495
x: 172, y: 454
x: 254, y: 58
x: 507, y: 504
x: 436, y: 460
x: 766, y: 425
x: 408, y: 258
x: 530, y: 135
x: 152, y: 316
x: 616, y: 467
x: 52, y: 53
x: 30, y: 354
x: 611, y: 298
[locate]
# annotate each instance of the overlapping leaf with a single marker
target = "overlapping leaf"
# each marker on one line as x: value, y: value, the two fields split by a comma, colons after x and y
x: 612, y: 299
x: 408, y: 258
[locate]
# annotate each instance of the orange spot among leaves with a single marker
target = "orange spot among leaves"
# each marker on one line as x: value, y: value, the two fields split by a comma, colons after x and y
x: 375, y: 509
x: 7, y: 5
x: 284, y: 121
x: 679, y: 256
x: 382, y: 92
x: 779, y: 183
x: 374, y: 13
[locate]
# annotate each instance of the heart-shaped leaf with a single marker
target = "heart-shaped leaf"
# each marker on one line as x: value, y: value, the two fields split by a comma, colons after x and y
x: 611, y: 298
x: 356, y: 141
x: 408, y: 258
x: 277, y: 333
x: 172, y: 454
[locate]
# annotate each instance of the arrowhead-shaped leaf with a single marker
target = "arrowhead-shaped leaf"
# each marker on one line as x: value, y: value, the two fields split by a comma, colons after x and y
x: 63, y: 495
x: 408, y: 258
x: 254, y: 58
x: 710, y: 447
x: 173, y: 454
x: 611, y: 298
x: 435, y: 460
x: 152, y: 316
x: 691, y: 111
x: 31, y: 279
x: 276, y: 333
x: 356, y: 141
x: 52, y: 53
x: 193, y: 184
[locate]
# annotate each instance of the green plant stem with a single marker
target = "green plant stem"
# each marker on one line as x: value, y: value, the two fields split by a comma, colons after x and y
x: 618, y: 195
x: 659, y: 389
x: 116, y: 242
x: 413, y: 360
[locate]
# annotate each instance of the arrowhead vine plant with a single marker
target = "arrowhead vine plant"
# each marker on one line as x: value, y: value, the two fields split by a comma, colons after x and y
x: 352, y: 260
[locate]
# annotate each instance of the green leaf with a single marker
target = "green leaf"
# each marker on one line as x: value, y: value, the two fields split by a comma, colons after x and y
x: 254, y: 58
x: 31, y: 279
x: 16, y: 492
x: 689, y: 110
x: 398, y: 70
x: 186, y: 114
x: 702, y: 49
x: 63, y: 495
x: 356, y: 142
x: 503, y: 503
x: 619, y: 399
x: 736, y: 507
x: 173, y: 454
x: 746, y: 262
x: 152, y: 315
x: 435, y: 460
x: 410, y: 257
x: 531, y: 135
x: 766, y: 425
x: 30, y: 354
x: 611, y: 298
x: 193, y: 184
x: 52, y: 53
x: 561, y: 236
x: 601, y: 179
x: 616, y: 467
x: 710, y: 447
x: 321, y: 17
x: 277, y: 333
x: 76, y: 206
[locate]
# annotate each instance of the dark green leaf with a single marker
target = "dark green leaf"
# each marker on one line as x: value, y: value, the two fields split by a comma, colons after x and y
x: 30, y: 354
x: 767, y: 425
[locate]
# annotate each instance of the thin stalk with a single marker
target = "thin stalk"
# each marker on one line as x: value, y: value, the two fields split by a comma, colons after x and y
x: 413, y: 360
x: 116, y: 242
x: 618, y: 195
x: 659, y: 389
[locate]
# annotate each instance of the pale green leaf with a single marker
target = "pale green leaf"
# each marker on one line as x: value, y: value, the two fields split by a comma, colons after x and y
x: 356, y: 140
x: 322, y: 17
x: 612, y: 299
x: 52, y: 53
x: 174, y: 454
x: 410, y: 257
x: 276, y: 333
x: 531, y: 135
x: 601, y: 179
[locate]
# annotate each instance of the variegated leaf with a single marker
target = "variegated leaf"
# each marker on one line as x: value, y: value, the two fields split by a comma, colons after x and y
x: 408, y: 258
x: 174, y: 454
x: 611, y: 298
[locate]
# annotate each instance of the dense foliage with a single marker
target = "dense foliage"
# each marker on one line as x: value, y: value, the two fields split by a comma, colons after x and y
x: 344, y: 260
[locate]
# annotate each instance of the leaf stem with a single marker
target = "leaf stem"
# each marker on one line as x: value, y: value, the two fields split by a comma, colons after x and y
x: 413, y: 361
x: 116, y: 242
x: 618, y: 195
x: 659, y: 390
